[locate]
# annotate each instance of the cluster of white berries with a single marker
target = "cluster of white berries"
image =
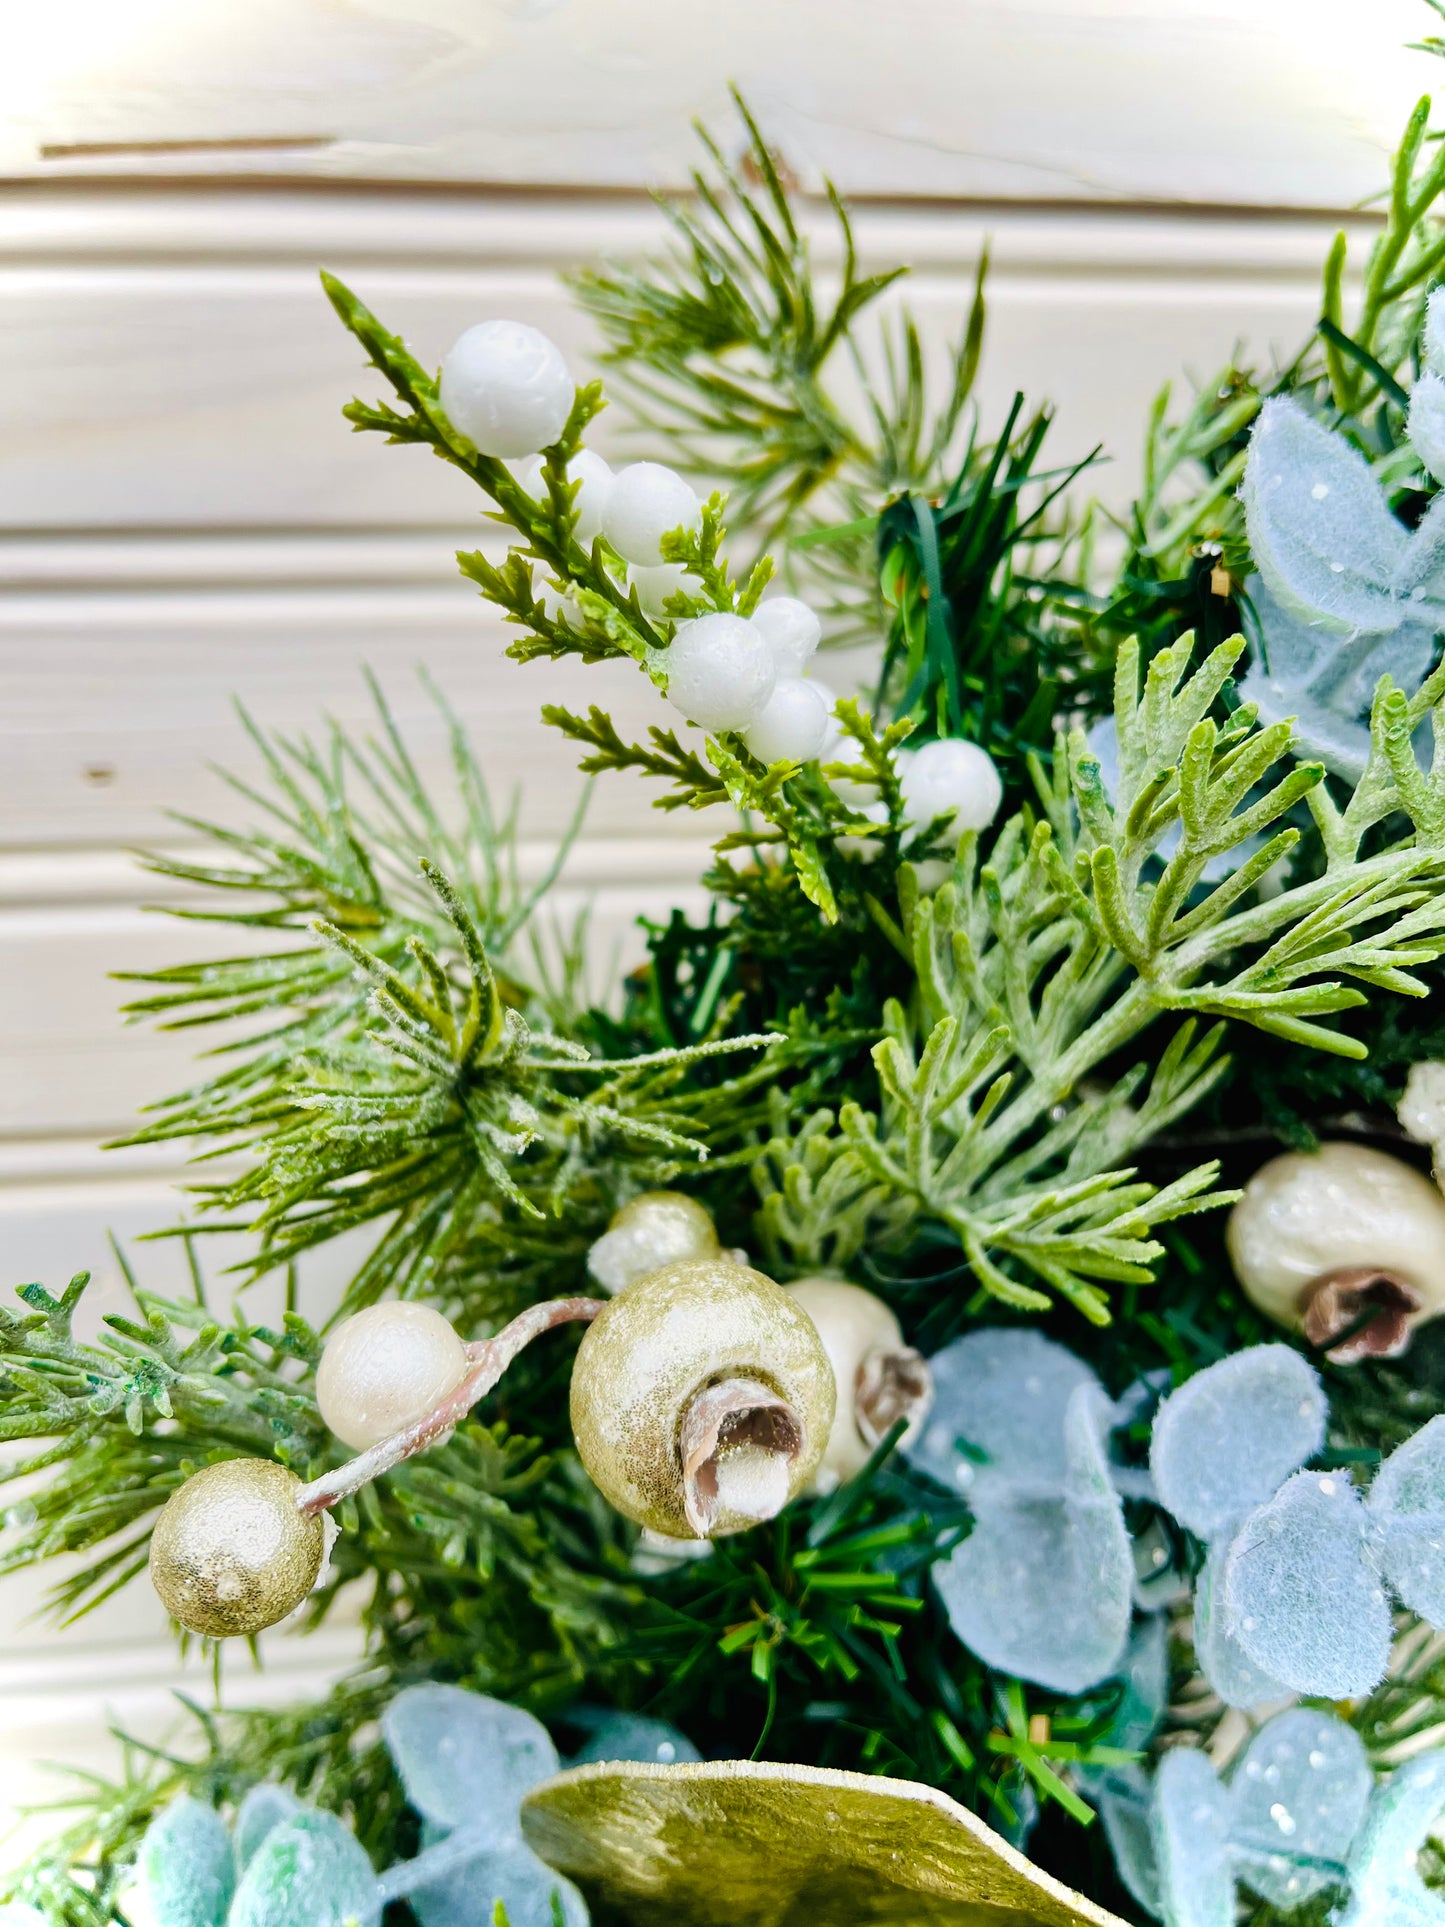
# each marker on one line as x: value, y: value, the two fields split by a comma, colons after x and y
x: 746, y: 673
x: 506, y: 387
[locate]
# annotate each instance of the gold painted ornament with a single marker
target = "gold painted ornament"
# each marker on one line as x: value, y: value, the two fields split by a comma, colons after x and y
x: 741, y: 1843
x: 232, y: 1552
x: 655, y: 1228
x: 701, y: 1399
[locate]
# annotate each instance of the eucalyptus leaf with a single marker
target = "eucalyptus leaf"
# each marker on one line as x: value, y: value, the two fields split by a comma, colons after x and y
x: 1385, y: 1889
x: 1222, y: 1660
x: 1425, y: 424
x: 464, y: 1759
x: 1407, y: 1501
x: 263, y: 1808
x: 186, y: 1867
x: 1320, y: 530
x: 1297, y: 1799
x: 1124, y: 1797
x: 632, y: 1736
x: 1042, y: 1586
x: 309, y: 1871
x: 1191, y: 1842
x: 997, y: 1419
x: 1225, y: 1441
x: 468, y: 1894
x: 1302, y: 1592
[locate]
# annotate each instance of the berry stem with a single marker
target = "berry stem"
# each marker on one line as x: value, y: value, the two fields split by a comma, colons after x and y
x: 490, y: 1359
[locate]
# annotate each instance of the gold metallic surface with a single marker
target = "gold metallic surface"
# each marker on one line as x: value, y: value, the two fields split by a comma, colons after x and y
x: 230, y: 1553
x: 741, y: 1843
x: 667, y: 1337
x: 655, y: 1228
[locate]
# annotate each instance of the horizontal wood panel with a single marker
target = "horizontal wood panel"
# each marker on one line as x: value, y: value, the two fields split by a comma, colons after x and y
x: 180, y: 395
x: 1296, y: 101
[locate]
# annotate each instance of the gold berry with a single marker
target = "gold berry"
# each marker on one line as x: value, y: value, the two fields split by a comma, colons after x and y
x: 701, y: 1399
x: 654, y: 1229
x: 231, y: 1553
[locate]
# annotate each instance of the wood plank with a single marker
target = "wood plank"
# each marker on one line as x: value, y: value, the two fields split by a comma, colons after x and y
x: 1296, y: 102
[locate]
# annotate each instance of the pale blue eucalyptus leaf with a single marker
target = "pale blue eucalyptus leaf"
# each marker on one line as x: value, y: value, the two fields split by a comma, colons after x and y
x: 467, y: 1896
x: 186, y: 1867
x: 1324, y: 683
x: 1161, y: 1574
x: 1124, y: 1799
x: 1230, y: 1435
x: 1385, y: 1889
x: 1420, y: 580
x: 1041, y: 1586
x: 1432, y: 338
x: 997, y: 1419
x: 464, y: 1759
x: 1319, y: 527
x: 1302, y: 1591
x: 631, y: 1736
x: 1425, y: 424
x: 1191, y: 1842
x: 264, y: 1807
x: 1408, y: 1504
x: 1145, y: 1678
x: 308, y: 1872
x: 1222, y: 1660
x: 1297, y: 1799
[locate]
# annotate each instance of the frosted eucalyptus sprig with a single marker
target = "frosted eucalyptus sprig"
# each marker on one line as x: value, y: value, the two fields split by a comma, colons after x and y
x: 1039, y: 964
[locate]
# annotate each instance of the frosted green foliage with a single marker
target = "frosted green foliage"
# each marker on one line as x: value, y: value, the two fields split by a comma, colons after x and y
x: 1226, y: 1439
x: 1407, y: 1501
x: 263, y: 1808
x: 1190, y: 1827
x: 185, y: 1866
x: 1042, y: 1586
x: 466, y: 1760
x: 1322, y: 533
x: 1302, y: 1594
x: 632, y: 1736
x: 997, y: 1416
x: 1297, y: 1798
x: 308, y: 1872
x: 510, y: 1874
x: 1323, y: 684
x: 1385, y: 1889
x: 1222, y: 1660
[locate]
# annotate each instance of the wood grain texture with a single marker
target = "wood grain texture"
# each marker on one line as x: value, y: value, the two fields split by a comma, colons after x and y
x: 1293, y: 102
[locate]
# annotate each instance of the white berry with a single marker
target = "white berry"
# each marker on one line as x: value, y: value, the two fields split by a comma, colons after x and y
x: 506, y: 387
x: 589, y: 504
x: 385, y: 1369
x: 792, y: 631
x: 950, y: 775
x: 647, y: 502
x: 719, y: 671
x: 792, y: 725
x: 654, y: 586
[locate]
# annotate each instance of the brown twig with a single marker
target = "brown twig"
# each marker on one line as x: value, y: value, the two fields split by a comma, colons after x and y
x: 491, y: 1357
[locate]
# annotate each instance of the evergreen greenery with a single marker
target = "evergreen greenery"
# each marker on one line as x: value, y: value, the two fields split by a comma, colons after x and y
x: 1022, y: 1092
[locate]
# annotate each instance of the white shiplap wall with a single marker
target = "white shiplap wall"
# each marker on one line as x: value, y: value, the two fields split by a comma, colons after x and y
x: 183, y: 515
